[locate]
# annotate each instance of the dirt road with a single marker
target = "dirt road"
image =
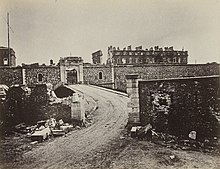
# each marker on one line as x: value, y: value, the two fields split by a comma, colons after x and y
x: 75, y: 150
x: 100, y: 145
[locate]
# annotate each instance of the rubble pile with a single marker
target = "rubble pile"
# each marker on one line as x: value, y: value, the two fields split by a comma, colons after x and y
x: 148, y: 133
x: 29, y: 105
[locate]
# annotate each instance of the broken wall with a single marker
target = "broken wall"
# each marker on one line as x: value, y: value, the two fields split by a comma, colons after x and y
x: 178, y: 106
x: 24, y: 105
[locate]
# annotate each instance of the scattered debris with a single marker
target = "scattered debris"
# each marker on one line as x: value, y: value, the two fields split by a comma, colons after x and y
x: 20, y: 128
x: 61, y: 128
x: 172, y: 157
x: 41, y: 133
x: 58, y: 132
x: 122, y: 138
x: 34, y: 142
x: 192, y: 135
x: 133, y: 131
x: 171, y: 141
x: 142, y: 132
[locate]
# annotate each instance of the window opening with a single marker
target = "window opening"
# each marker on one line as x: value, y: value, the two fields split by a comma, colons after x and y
x: 100, y: 75
x: 40, y: 77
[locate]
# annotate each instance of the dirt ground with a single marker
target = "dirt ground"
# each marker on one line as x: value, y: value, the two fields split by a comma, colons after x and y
x: 104, y: 143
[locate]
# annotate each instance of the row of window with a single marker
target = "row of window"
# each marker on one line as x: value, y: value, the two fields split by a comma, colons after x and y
x: 150, y: 60
x: 138, y: 53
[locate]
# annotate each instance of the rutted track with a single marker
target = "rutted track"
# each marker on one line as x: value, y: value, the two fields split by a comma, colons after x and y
x: 72, y: 151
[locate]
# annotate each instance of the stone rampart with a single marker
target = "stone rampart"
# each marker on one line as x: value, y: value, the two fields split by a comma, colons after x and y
x: 49, y: 74
x: 10, y: 75
x: 97, y: 75
x: 148, y: 72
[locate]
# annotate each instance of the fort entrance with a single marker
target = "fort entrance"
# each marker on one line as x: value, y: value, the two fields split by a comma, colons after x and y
x: 71, y: 77
x: 71, y: 70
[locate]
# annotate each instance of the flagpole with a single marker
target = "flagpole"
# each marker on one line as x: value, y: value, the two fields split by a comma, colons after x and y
x: 9, y: 53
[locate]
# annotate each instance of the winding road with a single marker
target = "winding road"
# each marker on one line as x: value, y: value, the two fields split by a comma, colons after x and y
x: 74, y: 151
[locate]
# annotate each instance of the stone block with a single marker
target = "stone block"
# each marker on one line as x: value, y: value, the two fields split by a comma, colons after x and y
x: 78, y: 111
x: 135, y: 110
x: 133, y: 118
x: 135, y: 101
x: 132, y: 91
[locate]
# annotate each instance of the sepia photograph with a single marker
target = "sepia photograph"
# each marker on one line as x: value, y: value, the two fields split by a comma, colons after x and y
x: 109, y: 84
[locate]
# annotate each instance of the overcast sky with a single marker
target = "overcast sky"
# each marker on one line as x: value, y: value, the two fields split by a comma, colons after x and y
x: 50, y: 29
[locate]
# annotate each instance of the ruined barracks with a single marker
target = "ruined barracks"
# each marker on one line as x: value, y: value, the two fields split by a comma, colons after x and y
x: 153, y: 63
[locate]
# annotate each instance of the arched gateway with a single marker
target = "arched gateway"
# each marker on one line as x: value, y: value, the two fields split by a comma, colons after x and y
x: 71, y: 70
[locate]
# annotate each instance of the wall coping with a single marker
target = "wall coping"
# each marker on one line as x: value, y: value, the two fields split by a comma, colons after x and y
x: 164, y: 65
x: 182, y: 78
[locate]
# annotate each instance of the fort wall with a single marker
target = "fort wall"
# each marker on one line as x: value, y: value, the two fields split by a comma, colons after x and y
x: 49, y: 74
x: 148, y: 72
x: 97, y: 75
x: 104, y: 75
x: 10, y: 75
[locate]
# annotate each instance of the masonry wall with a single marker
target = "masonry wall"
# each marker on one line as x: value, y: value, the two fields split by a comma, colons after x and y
x: 9, y: 76
x: 91, y: 75
x: 163, y: 71
x: 179, y: 106
x: 50, y: 74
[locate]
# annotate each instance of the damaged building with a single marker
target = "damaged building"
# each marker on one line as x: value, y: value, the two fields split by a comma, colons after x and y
x: 156, y: 55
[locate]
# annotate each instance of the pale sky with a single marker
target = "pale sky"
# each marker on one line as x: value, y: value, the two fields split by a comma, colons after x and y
x: 50, y: 29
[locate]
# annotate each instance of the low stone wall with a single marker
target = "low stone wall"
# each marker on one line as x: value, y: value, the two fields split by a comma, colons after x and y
x: 10, y: 75
x: 179, y: 106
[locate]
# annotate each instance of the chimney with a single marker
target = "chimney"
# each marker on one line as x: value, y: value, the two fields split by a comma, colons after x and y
x: 51, y: 62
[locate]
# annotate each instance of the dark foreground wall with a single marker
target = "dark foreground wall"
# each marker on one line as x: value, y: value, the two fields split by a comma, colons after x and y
x: 179, y: 106
x: 10, y: 76
x: 163, y: 71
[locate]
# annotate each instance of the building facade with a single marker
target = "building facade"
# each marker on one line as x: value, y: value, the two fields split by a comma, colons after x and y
x: 5, y: 60
x: 138, y: 55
